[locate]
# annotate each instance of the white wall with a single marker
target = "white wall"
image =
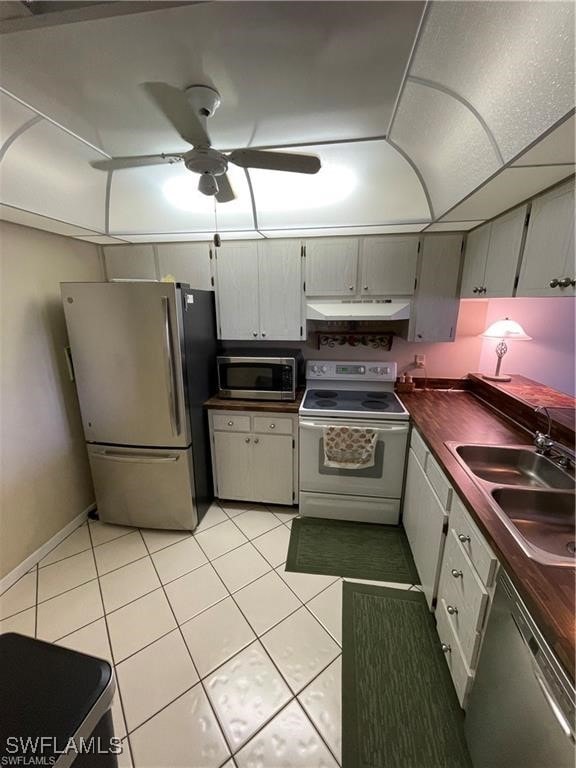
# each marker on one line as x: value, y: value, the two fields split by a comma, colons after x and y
x: 45, y: 478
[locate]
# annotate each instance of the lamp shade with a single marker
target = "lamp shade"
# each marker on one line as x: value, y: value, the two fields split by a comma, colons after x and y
x: 506, y: 329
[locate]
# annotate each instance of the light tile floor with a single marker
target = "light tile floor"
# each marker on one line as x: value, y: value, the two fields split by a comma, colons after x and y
x: 218, y: 651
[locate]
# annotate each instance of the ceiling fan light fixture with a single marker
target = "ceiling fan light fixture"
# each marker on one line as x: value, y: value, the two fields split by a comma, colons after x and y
x: 208, y: 185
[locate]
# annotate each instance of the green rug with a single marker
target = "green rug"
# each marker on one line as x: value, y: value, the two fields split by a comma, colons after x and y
x: 399, y: 706
x: 354, y: 550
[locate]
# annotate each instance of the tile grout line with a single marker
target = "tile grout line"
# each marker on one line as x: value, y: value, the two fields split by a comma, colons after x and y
x: 294, y: 696
x: 200, y: 681
x: 112, y: 650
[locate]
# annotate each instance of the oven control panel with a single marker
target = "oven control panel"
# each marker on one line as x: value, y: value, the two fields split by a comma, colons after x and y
x: 339, y: 370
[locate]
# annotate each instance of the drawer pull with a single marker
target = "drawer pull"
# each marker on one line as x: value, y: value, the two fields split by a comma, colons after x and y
x: 446, y: 648
x: 463, y: 538
x: 256, y: 440
x: 247, y: 440
x: 230, y: 423
x: 451, y: 610
x: 456, y: 574
x: 272, y: 426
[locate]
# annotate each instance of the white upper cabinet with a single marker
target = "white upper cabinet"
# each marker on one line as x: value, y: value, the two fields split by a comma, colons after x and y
x: 492, y: 256
x: 187, y: 263
x: 436, y: 303
x: 236, y: 273
x: 130, y: 262
x: 281, y: 290
x: 331, y: 266
x: 389, y: 265
x: 259, y: 289
x: 548, y: 261
x: 504, y: 253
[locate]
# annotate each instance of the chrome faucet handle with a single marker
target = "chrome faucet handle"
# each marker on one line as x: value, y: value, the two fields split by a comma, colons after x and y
x: 542, y: 442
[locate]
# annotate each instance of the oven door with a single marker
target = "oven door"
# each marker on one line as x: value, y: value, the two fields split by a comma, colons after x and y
x: 384, y: 479
x: 265, y: 379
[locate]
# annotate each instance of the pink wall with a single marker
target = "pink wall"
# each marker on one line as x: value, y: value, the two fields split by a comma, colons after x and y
x: 549, y: 357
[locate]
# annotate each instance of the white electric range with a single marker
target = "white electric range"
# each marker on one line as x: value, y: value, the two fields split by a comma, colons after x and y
x: 352, y: 394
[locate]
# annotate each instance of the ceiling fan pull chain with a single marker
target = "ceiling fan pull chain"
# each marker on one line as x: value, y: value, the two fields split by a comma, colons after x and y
x: 217, y: 240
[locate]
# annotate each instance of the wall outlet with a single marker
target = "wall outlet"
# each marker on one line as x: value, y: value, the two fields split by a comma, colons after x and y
x: 419, y: 361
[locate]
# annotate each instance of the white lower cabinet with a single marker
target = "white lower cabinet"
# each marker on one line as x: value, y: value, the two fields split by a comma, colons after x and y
x: 456, y: 566
x: 249, y: 462
x: 424, y: 518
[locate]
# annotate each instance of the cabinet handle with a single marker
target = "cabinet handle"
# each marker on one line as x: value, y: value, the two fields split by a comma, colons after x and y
x: 451, y: 610
x: 254, y: 333
x: 446, y: 648
x: 463, y: 538
x: 263, y: 334
x: 256, y: 440
x: 418, y: 335
x: 565, y: 282
x: 554, y: 282
x: 476, y: 289
x: 230, y: 423
x: 365, y: 287
x: 272, y: 426
x: 350, y: 287
x: 456, y: 574
x: 247, y: 440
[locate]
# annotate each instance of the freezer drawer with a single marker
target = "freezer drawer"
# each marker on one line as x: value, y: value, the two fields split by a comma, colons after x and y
x: 151, y: 488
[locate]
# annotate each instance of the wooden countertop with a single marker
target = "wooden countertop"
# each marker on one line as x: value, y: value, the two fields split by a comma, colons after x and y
x: 549, y: 591
x: 268, y: 406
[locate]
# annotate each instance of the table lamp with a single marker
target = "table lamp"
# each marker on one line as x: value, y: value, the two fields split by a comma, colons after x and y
x: 503, y: 330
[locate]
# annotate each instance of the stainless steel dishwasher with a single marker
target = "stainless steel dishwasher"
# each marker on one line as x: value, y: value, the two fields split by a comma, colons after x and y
x: 521, y: 708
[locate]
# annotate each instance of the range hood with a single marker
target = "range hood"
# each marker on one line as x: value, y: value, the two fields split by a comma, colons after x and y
x: 367, y: 309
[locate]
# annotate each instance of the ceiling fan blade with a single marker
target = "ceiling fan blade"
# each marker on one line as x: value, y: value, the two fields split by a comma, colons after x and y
x: 175, y: 106
x: 117, y: 163
x: 225, y: 192
x: 275, y: 161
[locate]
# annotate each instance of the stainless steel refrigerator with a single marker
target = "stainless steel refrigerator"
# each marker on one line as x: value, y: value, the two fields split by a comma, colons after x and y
x: 143, y: 357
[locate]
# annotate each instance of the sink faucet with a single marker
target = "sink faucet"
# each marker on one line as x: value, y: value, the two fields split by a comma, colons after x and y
x: 565, y: 457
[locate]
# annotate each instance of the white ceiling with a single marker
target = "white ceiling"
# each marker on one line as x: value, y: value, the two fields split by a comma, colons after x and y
x: 484, y: 82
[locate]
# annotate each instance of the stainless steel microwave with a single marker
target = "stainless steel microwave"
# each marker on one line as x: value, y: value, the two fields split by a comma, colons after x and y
x: 258, y: 377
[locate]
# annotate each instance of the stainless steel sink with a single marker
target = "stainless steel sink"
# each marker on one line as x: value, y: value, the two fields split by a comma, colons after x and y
x: 513, y: 466
x: 545, y: 519
x: 532, y: 496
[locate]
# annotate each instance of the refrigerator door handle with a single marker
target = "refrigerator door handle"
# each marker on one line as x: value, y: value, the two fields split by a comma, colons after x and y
x: 170, y: 369
x: 135, y: 458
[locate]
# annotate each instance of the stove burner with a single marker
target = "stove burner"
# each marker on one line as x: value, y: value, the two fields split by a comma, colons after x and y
x: 325, y: 403
x: 325, y: 393
x: 375, y: 405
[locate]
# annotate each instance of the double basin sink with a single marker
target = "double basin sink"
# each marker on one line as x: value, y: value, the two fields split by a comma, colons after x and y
x: 532, y: 495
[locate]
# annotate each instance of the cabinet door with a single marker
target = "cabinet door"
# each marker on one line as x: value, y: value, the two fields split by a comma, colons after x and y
x: 423, y: 518
x: 130, y: 262
x: 281, y: 290
x: 233, y: 463
x: 273, y: 468
x: 504, y: 254
x: 549, y: 249
x: 436, y: 304
x: 187, y: 263
x: 475, y: 256
x: 331, y: 266
x: 237, y: 291
x: 389, y: 265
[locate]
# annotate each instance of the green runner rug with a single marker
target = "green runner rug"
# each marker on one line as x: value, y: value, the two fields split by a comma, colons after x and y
x: 353, y: 550
x: 399, y: 707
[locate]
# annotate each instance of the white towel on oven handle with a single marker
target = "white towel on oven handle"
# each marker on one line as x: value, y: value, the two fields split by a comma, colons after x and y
x: 349, y: 447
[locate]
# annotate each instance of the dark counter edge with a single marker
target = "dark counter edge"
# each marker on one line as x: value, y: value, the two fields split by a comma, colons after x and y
x: 265, y: 406
x: 548, y: 591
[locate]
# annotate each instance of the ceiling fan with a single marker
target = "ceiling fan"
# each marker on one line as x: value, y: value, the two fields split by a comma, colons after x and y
x: 187, y: 110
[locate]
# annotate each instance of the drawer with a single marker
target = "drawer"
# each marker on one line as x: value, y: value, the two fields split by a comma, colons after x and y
x: 231, y: 423
x: 469, y: 640
x: 439, y: 482
x: 472, y: 542
x: 419, y: 447
x: 274, y: 425
x: 462, y: 677
x: 460, y: 587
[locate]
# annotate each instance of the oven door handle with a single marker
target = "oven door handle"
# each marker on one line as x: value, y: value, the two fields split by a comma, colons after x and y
x: 381, y: 428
